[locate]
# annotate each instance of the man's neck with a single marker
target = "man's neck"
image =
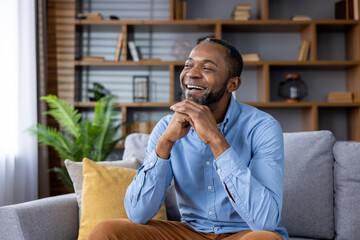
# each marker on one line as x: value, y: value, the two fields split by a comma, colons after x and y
x: 220, y: 108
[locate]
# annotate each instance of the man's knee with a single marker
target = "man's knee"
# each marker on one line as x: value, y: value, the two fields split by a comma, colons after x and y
x: 110, y: 229
x: 262, y: 235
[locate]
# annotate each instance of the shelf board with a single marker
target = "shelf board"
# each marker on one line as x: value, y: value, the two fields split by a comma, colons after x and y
x: 255, y: 104
x: 213, y: 22
x: 282, y: 63
x: 145, y: 62
x: 301, y: 104
x: 126, y: 104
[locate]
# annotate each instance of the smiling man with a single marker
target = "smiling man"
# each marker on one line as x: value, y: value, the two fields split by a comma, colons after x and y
x: 226, y: 159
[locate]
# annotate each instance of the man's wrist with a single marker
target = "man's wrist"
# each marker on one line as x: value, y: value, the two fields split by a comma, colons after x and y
x: 163, y: 148
x: 218, y: 145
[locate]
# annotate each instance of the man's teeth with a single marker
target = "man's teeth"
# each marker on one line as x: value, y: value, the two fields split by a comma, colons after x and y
x: 195, y: 87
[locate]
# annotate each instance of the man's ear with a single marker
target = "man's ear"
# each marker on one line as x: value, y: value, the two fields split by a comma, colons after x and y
x: 233, y: 84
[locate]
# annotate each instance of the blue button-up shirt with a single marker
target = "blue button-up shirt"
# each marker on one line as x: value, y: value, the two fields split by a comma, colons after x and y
x: 251, y: 169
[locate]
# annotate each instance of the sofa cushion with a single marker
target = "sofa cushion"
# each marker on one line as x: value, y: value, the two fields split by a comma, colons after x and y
x: 347, y: 190
x: 75, y: 170
x: 135, y: 146
x: 308, y: 184
x: 104, y: 189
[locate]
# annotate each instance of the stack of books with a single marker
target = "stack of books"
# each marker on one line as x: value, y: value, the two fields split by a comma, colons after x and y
x: 340, y: 97
x: 92, y: 59
x: 242, y: 12
x: 300, y: 18
x: 90, y: 16
x: 250, y: 57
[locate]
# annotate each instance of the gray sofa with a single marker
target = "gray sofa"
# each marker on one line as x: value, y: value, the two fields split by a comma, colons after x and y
x: 321, y: 194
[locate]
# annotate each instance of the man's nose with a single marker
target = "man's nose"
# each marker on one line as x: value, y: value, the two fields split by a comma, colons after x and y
x: 193, y: 72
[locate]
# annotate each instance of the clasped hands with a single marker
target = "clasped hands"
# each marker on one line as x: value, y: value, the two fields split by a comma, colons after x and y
x: 187, y: 114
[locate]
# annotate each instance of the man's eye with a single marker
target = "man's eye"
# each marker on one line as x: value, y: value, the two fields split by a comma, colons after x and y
x: 187, y: 66
x: 207, y: 69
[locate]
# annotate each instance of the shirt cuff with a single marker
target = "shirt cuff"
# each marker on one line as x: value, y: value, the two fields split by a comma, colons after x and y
x: 156, y: 163
x: 228, y: 163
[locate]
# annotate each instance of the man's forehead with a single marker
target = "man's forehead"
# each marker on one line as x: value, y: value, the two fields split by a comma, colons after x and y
x: 208, y: 50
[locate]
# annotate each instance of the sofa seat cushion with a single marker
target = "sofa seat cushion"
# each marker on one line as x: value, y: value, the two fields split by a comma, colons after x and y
x: 347, y: 190
x: 308, y: 184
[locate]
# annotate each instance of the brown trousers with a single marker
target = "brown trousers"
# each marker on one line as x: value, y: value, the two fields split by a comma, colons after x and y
x: 124, y: 229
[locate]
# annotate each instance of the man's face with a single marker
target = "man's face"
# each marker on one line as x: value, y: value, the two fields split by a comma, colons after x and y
x: 205, y: 75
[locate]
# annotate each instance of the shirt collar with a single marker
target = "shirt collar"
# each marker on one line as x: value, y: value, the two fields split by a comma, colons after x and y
x: 231, y: 115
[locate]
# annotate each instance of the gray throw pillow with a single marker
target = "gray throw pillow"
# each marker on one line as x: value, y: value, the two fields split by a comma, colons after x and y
x: 308, y: 205
x: 135, y: 146
x: 347, y: 190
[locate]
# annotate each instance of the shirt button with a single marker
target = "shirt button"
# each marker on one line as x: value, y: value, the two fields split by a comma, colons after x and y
x: 209, y: 187
x: 151, y: 164
x: 210, y: 212
x: 139, y: 185
x: 216, y: 229
x: 218, y: 170
x: 208, y: 163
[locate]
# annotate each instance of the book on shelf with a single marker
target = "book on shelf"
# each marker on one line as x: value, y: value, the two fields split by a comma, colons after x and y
x: 300, y: 18
x: 354, y: 9
x: 250, y: 57
x: 340, y: 97
x: 340, y: 9
x: 304, y: 50
x: 244, y: 6
x: 92, y: 59
x: 241, y: 12
x: 180, y: 10
x: 241, y: 18
x: 118, y: 47
x: 133, y: 51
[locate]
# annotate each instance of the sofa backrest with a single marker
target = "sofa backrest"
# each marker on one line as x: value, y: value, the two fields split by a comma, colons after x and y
x: 308, y: 202
x: 347, y: 190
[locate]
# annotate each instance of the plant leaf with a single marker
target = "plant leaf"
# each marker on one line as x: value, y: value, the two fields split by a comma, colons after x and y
x: 64, y: 113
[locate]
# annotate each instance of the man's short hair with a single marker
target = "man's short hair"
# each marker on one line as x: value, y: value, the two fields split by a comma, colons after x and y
x: 233, y: 57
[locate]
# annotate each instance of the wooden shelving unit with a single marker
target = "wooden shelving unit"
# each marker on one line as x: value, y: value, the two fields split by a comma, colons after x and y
x: 308, y: 30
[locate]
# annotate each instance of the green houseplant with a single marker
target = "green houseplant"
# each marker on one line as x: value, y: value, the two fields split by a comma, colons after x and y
x: 78, y: 139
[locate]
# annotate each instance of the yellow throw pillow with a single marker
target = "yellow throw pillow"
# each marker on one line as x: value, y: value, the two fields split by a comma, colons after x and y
x: 103, y: 193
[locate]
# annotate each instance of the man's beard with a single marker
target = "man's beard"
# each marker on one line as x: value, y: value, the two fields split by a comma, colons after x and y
x: 208, y: 98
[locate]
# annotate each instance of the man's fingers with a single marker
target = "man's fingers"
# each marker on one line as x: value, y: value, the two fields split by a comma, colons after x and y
x: 183, y: 118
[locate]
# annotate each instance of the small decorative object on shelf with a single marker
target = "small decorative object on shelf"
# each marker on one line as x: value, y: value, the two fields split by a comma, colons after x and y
x: 141, y: 88
x: 293, y: 88
x: 241, y: 12
x: 98, y: 91
x: 181, y: 49
x: 114, y: 17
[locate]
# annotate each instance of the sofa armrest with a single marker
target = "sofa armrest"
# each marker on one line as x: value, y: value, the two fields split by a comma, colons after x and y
x: 48, y: 218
